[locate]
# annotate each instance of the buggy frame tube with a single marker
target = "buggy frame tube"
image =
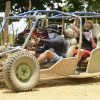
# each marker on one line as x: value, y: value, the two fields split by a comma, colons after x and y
x: 4, y: 23
x: 34, y: 26
x: 42, y: 11
x: 80, y: 38
x: 30, y: 34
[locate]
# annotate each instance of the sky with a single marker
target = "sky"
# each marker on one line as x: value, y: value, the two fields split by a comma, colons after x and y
x: 18, y: 26
x: 2, y: 14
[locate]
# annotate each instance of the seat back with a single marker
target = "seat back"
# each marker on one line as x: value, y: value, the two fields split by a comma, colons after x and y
x: 68, y: 33
x: 70, y: 37
x: 96, y: 30
x: 96, y: 33
x: 94, y: 61
x: 98, y: 41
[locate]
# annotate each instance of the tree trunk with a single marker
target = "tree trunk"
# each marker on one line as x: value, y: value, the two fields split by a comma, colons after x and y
x: 5, y: 33
x: 30, y: 20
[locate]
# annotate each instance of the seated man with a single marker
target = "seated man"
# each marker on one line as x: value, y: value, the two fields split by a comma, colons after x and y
x: 88, y: 42
x: 56, y: 45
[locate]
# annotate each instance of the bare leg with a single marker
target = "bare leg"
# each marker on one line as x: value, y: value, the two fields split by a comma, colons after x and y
x: 81, y: 54
x: 46, y: 55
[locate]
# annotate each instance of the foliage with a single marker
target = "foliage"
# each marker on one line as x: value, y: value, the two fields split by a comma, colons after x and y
x: 82, y: 5
x: 18, y: 6
x: 72, y: 5
x: 93, y: 5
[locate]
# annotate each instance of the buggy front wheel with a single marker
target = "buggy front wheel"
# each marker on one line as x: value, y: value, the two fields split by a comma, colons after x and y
x: 21, y: 71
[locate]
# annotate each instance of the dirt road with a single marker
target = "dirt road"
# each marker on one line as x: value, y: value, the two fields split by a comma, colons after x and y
x: 82, y: 89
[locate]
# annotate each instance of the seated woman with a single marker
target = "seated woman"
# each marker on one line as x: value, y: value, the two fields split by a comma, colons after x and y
x: 88, y: 42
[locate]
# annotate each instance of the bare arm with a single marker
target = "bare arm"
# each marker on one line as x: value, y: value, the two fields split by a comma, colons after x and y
x: 93, y: 43
x: 52, y: 42
x: 75, y: 28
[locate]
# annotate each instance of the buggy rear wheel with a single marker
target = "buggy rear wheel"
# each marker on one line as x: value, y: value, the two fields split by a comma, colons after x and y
x: 21, y: 71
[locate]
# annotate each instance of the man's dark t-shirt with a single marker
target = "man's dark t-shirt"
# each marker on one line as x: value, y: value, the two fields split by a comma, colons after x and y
x: 58, y: 44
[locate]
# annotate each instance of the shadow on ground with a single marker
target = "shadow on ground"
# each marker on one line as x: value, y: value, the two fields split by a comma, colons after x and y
x: 70, y: 82
x: 2, y: 85
x: 60, y: 82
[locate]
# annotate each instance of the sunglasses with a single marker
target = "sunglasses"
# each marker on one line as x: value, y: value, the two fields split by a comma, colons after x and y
x: 86, y: 30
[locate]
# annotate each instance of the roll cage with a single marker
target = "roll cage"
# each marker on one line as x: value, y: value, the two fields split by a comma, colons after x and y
x: 55, y: 15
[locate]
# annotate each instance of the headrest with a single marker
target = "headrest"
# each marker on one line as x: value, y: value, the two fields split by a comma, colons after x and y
x: 96, y: 30
x: 69, y: 33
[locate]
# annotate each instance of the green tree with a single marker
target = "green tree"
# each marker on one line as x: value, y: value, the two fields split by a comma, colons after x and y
x: 18, y: 6
x: 74, y: 5
x: 93, y: 5
x: 82, y: 5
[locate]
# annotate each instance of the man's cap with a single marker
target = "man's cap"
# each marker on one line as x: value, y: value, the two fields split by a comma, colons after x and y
x: 53, y: 28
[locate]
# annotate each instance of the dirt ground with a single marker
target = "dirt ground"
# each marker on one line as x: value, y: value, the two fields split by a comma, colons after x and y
x: 63, y: 89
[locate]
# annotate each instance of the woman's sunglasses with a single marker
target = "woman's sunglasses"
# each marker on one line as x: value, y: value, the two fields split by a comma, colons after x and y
x: 86, y: 30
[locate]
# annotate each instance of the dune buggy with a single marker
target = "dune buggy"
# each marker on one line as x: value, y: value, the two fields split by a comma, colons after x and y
x: 21, y: 70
